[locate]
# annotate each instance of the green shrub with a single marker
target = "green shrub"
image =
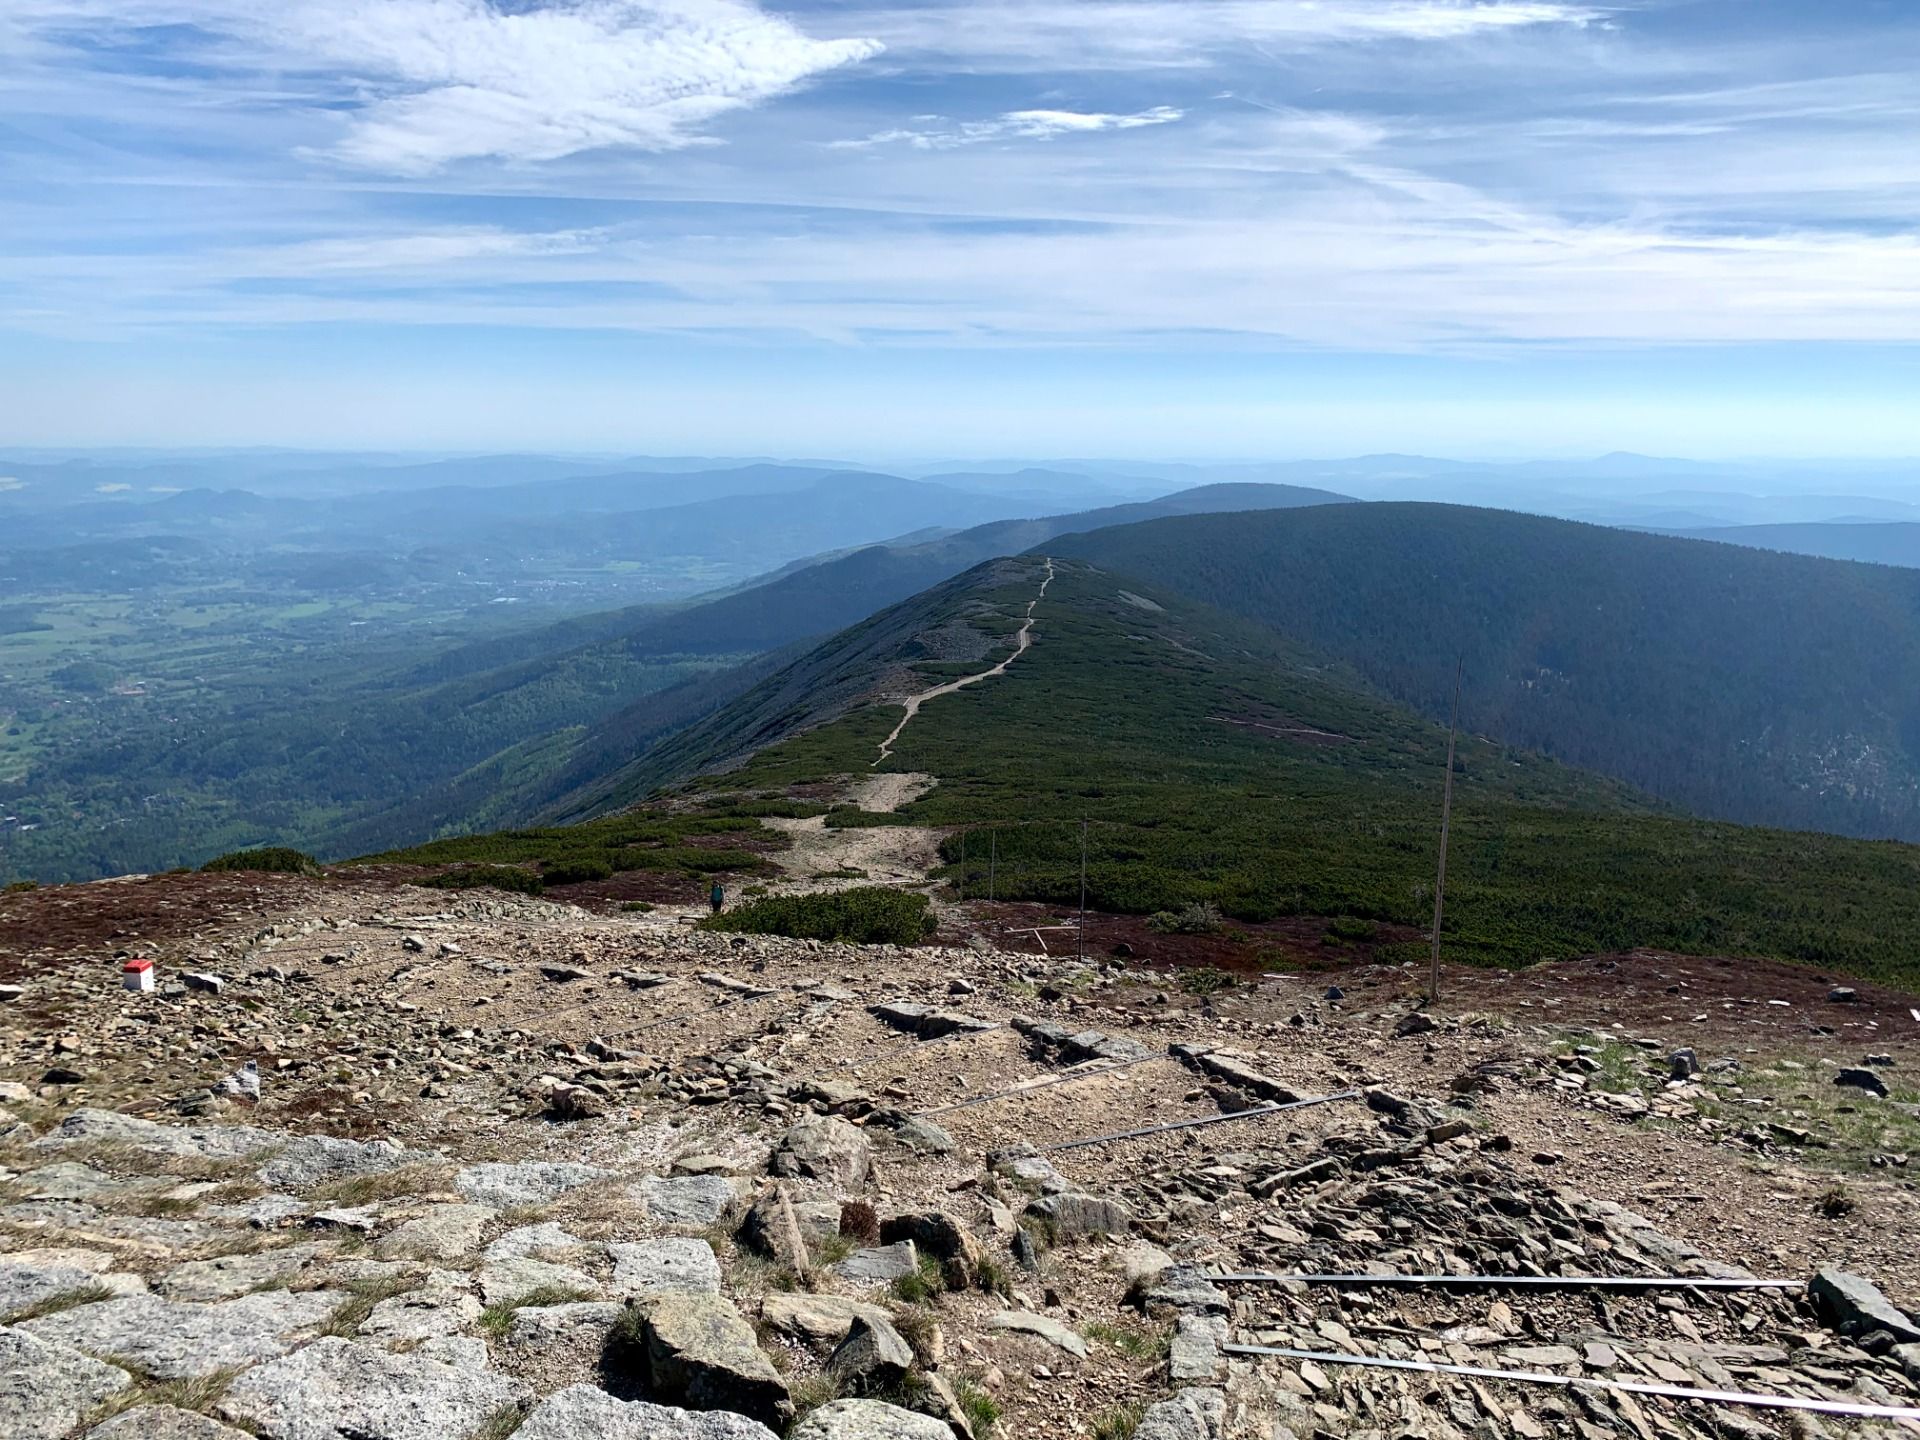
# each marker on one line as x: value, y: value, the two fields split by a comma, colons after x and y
x: 491, y: 877
x: 868, y: 915
x: 1206, y: 981
x: 577, y: 870
x: 1200, y: 918
x: 277, y: 859
x: 1348, y: 927
x: 635, y: 907
x: 20, y: 887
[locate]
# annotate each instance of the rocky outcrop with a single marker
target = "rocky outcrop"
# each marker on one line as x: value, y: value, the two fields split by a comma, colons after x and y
x: 176, y: 1340
x: 825, y: 1148
x: 869, y: 1420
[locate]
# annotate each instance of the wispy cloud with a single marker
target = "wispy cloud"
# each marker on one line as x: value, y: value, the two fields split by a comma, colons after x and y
x: 1064, y: 35
x: 1014, y: 125
x: 424, y: 83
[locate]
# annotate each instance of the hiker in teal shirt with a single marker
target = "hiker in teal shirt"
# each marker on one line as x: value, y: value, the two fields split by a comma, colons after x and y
x: 719, y: 897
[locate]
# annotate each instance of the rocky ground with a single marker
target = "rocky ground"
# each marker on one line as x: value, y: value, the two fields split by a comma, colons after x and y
x: 380, y: 1162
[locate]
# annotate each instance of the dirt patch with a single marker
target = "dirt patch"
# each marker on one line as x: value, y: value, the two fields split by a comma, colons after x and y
x: 1281, y: 728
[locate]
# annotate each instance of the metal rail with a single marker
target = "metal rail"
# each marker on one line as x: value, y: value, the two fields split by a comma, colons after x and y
x: 1252, y: 1114
x: 1013, y: 1090
x: 1632, y: 1387
x: 1514, y: 1282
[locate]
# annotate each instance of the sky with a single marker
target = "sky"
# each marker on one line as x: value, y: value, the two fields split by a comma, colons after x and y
x: 1208, y: 228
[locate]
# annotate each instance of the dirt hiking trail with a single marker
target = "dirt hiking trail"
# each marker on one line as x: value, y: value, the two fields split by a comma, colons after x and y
x: 1021, y: 641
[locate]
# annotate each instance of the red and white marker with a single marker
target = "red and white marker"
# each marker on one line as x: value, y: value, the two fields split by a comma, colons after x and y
x: 137, y: 975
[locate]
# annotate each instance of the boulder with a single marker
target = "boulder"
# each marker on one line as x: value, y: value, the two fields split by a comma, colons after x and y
x: 1184, y: 1288
x: 442, y: 1232
x: 1027, y: 1168
x: 869, y: 1420
x: 824, y: 1148
x: 1858, y: 1077
x: 817, y: 1319
x: 186, y: 1142
x: 334, y: 1388
x: 46, y: 1388
x: 1194, y: 1414
x: 699, y: 1352
x: 530, y: 1182
x: 670, y: 1265
x: 695, y: 1202
x: 582, y: 1412
x: 1856, y: 1307
x: 873, y: 1359
x: 940, y: 1235
x: 1415, y: 1023
x: 178, y: 1340
x: 163, y: 1422
x: 1072, y: 1213
x: 765, y: 1226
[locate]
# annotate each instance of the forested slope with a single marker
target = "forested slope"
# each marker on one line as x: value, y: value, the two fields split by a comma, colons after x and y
x: 1738, y: 683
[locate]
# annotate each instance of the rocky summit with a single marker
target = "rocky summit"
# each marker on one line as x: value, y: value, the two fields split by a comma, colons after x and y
x: 495, y: 1166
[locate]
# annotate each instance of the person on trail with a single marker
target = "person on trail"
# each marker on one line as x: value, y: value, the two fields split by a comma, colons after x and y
x: 718, y: 897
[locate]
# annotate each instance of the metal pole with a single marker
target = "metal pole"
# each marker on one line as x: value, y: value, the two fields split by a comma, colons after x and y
x: 993, y: 859
x: 963, y: 865
x: 1507, y: 1282
x: 1446, y: 819
x: 1080, y: 946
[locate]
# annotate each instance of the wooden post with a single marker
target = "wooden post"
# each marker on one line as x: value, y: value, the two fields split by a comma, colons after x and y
x: 1446, y: 819
x: 1080, y: 948
x: 963, y: 865
x: 993, y: 859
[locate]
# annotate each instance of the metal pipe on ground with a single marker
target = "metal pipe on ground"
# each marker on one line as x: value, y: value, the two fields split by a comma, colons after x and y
x: 1252, y: 1114
x: 1631, y: 1387
x: 1510, y: 1282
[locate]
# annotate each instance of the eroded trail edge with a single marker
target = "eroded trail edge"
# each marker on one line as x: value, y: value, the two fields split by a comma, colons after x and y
x: 1021, y: 640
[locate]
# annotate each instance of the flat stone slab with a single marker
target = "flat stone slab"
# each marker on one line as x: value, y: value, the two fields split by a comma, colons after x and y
x: 694, y: 1201
x: 1855, y: 1306
x: 504, y: 1281
x: 186, y: 1142
x: 582, y: 1412
x: 881, y: 1265
x: 177, y: 1340
x: 869, y: 1420
x: 69, y: 1180
x: 1195, y: 1414
x: 75, y: 1222
x: 163, y: 1422
x: 443, y: 1232
x: 230, y: 1276
x: 1023, y: 1322
x: 670, y: 1265
x: 27, y: 1283
x: 47, y: 1388
x: 545, y: 1241
x: 304, y: 1161
x: 334, y: 1389
x: 530, y: 1182
x: 443, y: 1305
x: 584, y: 1323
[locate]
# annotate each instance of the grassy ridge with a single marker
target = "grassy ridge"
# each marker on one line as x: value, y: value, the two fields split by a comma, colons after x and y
x: 1119, y: 714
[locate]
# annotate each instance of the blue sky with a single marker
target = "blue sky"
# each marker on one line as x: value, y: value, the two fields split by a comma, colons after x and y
x: 1153, y: 227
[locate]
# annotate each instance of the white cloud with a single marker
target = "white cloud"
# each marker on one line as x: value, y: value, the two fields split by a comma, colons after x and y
x: 1013, y: 125
x: 11, y: 482
x: 424, y: 83
x: 111, y: 489
x: 1066, y: 35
